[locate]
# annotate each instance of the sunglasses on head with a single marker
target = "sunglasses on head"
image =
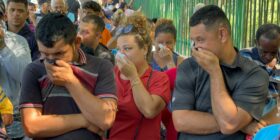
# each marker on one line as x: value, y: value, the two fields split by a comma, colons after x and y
x: 125, y: 29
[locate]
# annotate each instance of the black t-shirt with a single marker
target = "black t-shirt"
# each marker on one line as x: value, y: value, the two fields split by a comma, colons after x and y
x: 246, y: 83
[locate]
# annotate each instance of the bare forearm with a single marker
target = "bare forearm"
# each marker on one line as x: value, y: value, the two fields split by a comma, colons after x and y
x: 52, y: 125
x: 144, y: 100
x: 91, y: 105
x: 195, y: 122
x: 227, y: 114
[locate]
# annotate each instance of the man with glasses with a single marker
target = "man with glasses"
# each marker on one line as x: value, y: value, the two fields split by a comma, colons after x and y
x: 266, y: 55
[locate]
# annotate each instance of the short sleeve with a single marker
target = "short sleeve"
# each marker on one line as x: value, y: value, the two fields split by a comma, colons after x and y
x: 105, y: 84
x: 160, y: 86
x: 183, y: 96
x: 30, y: 90
x: 252, y: 92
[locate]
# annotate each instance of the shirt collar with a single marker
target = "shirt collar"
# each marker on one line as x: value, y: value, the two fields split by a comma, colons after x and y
x: 82, y: 58
x: 236, y: 62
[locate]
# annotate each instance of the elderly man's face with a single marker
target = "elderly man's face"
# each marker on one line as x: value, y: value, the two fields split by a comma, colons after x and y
x: 58, y: 6
x: 268, y: 49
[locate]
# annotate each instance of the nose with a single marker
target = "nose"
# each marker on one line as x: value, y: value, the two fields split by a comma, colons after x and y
x: 122, y: 51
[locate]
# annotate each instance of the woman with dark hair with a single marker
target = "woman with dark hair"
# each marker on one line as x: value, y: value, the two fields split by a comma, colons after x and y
x: 164, y: 56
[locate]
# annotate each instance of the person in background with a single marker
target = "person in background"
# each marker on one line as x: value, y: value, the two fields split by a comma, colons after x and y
x: 90, y: 30
x: 60, y: 6
x: 93, y: 8
x: 31, y: 19
x: 6, y: 112
x: 17, y: 13
x: 164, y: 56
x: 266, y: 55
x: 14, y: 57
x: 73, y: 7
x: 44, y: 8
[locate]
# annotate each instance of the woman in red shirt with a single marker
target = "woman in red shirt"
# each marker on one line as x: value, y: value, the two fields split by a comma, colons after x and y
x: 142, y: 92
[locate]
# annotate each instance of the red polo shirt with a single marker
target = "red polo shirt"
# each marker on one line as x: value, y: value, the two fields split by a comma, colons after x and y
x: 129, y: 118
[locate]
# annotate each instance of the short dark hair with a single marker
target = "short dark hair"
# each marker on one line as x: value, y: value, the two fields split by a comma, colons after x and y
x: 54, y: 27
x: 31, y: 4
x: 165, y: 26
x: 92, y: 5
x: 269, y: 31
x: 209, y: 15
x: 41, y: 2
x: 25, y: 2
x: 96, y: 20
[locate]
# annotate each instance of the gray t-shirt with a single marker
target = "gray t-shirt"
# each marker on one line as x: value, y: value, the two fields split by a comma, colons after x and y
x: 246, y: 82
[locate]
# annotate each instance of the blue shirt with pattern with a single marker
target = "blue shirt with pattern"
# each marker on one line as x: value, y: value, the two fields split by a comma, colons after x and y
x: 274, y: 76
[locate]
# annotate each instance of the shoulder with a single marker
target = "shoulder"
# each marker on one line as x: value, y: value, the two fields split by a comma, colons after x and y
x: 247, y: 52
x: 188, y: 65
x: 15, y: 41
x: 250, y: 68
x: 36, y: 68
x: 98, y: 63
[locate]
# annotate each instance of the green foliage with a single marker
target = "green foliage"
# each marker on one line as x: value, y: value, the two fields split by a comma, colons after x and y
x: 245, y: 17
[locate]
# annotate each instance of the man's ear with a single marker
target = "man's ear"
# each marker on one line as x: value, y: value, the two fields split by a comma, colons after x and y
x: 78, y: 41
x: 257, y: 42
x: 99, y: 35
x: 5, y: 17
x: 223, y: 34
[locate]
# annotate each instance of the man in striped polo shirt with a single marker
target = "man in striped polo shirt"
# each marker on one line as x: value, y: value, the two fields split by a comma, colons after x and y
x: 67, y: 94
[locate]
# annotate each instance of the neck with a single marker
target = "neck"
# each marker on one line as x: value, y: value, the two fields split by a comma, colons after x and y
x: 76, y: 56
x: 142, y: 68
x: 229, y: 54
x: 95, y: 44
x: 14, y: 29
x: 44, y: 11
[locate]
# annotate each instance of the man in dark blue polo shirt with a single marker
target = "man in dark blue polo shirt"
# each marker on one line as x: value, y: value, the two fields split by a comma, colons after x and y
x: 67, y: 94
x: 217, y: 91
x: 17, y: 13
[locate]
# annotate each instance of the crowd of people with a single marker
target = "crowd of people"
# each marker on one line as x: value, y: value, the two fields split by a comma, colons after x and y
x: 94, y: 71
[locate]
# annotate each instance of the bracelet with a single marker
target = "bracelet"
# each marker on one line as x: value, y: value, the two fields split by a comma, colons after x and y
x: 135, y: 82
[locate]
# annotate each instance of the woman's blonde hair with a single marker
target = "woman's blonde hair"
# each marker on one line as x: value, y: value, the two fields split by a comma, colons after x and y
x: 141, y: 31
